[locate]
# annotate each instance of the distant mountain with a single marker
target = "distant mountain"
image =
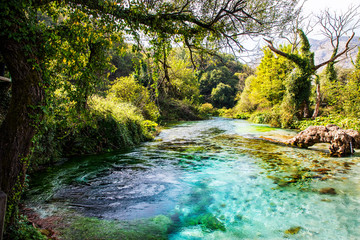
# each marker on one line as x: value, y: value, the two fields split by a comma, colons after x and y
x: 323, y: 50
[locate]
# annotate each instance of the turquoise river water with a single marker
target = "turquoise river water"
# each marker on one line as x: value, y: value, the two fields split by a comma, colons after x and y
x: 213, y: 179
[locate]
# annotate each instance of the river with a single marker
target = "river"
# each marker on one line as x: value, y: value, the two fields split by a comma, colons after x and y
x: 213, y: 179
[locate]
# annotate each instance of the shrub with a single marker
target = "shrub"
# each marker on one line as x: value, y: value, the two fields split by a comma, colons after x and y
x: 241, y: 115
x: 106, y: 126
x: 343, y: 122
x: 273, y: 117
x: 127, y: 89
x: 223, y: 95
x: 206, y: 109
x: 227, y: 113
x: 177, y: 110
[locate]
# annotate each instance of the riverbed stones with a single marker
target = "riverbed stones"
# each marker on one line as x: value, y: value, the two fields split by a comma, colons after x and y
x: 342, y: 142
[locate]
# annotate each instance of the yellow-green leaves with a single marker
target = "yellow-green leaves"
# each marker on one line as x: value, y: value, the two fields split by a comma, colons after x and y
x: 267, y: 88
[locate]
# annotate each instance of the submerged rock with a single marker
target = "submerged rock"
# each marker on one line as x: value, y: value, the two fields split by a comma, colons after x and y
x: 325, y: 200
x: 329, y: 191
x: 208, y: 221
x: 342, y: 141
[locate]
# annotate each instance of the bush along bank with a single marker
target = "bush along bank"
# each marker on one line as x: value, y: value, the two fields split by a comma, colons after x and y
x: 104, y: 127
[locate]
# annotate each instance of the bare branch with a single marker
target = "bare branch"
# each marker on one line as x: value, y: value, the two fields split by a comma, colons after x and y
x: 275, y: 50
x: 335, y: 25
x: 5, y: 79
x: 347, y: 48
x: 191, y: 52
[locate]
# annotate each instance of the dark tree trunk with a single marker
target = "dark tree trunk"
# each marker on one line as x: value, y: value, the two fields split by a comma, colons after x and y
x: 2, y: 69
x: 19, y: 125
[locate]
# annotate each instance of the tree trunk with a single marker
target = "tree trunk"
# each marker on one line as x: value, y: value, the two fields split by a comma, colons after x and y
x: 306, y: 112
x: 2, y: 69
x: 19, y: 125
x: 342, y: 141
x: 318, y: 101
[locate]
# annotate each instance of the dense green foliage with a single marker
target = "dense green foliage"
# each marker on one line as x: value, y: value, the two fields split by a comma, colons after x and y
x: 107, y: 125
x: 127, y: 89
x: 346, y: 122
x: 267, y: 88
x: 299, y: 84
x: 265, y: 92
x: 340, y: 97
x: 223, y: 95
x: 218, y: 74
x: 282, y: 86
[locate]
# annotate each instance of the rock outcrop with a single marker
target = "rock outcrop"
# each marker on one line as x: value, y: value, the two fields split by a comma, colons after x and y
x: 342, y: 142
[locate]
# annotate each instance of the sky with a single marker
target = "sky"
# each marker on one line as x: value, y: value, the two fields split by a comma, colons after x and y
x: 310, y: 7
x: 316, y: 6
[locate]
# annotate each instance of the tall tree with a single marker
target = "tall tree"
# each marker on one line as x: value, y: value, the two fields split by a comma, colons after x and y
x: 334, y: 26
x: 266, y: 88
x: 26, y: 45
x: 299, y: 82
x: 350, y: 102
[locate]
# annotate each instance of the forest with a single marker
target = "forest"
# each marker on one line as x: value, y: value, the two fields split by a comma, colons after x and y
x: 82, y: 78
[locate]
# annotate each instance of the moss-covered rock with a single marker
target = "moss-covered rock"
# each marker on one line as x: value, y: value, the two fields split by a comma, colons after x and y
x: 92, y: 228
x: 293, y: 230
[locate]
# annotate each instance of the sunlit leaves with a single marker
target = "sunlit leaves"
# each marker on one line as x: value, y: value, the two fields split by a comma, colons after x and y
x: 77, y: 50
x: 267, y: 88
x: 127, y: 89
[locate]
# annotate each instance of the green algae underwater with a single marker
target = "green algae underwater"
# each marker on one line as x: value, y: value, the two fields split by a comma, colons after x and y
x: 213, y: 179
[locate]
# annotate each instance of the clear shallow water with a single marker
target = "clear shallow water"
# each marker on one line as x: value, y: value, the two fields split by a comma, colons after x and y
x: 211, y: 179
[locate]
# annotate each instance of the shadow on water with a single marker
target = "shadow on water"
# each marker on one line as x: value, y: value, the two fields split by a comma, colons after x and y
x: 204, y: 180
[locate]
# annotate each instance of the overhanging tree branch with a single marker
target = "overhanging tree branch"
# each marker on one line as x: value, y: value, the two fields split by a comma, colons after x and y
x: 293, y: 57
x: 226, y: 18
x: 333, y: 59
